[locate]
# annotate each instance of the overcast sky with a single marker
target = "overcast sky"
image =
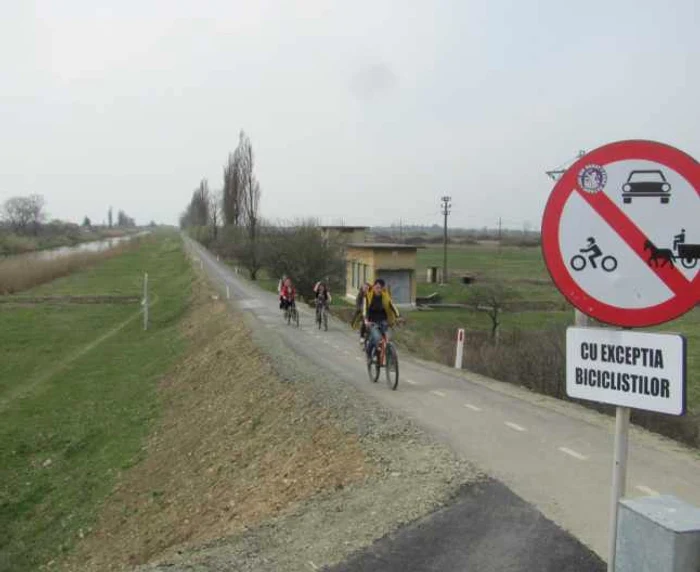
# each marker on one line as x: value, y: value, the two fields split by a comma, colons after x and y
x: 365, y: 111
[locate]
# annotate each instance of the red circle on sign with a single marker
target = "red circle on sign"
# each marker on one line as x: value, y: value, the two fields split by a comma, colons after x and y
x: 676, y: 306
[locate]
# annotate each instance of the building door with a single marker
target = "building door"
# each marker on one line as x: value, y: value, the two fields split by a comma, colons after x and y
x: 400, y: 283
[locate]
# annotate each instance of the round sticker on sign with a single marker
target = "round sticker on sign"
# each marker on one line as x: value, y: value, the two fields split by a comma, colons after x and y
x: 620, y: 236
x: 592, y: 178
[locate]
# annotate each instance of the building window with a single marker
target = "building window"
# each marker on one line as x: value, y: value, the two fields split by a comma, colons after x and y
x: 354, y: 270
x: 365, y: 273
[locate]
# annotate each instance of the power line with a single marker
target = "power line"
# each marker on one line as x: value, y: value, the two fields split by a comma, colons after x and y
x: 556, y: 174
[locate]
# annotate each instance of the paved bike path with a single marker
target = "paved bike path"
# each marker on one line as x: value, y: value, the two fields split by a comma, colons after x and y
x: 555, y: 455
x: 487, y: 528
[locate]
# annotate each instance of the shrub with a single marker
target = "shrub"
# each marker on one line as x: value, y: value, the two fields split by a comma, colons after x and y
x: 304, y: 254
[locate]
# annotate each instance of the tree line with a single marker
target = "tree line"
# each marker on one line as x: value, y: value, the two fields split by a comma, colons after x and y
x: 25, y: 226
x: 27, y: 216
x: 235, y: 208
x: 228, y: 222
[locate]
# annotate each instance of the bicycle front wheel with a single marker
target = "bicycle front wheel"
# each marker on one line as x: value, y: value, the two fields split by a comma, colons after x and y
x: 296, y: 317
x: 392, y: 367
x: 325, y: 320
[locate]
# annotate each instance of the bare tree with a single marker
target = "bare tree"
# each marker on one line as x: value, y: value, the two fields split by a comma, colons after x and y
x: 250, y: 194
x: 491, y: 299
x: 214, y: 211
x: 124, y: 220
x: 231, y: 200
x: 305, y: 254
x: 25, y: 214
x: 110, y: 217
x: 200, y: 204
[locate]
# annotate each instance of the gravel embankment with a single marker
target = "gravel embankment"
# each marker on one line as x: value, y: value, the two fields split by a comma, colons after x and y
x: 414, y: 476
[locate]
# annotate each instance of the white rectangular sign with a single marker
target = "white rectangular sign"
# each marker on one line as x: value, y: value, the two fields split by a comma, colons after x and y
x: 631, y: 369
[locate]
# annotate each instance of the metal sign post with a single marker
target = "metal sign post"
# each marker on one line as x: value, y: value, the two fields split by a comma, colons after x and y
x: 619, y: 477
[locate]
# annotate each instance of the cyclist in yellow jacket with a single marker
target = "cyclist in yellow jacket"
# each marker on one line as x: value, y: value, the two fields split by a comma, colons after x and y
x: 379, y: 313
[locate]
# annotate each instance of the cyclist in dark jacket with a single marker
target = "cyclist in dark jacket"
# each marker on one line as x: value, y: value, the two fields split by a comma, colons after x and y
x: 357, y: 320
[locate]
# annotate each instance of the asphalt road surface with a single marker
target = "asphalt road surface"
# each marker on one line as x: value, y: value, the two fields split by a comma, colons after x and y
x: 555, y: 455
x: 487, y: 528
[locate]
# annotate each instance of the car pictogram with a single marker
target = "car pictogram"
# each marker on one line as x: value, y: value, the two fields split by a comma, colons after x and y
x: 642, y: 183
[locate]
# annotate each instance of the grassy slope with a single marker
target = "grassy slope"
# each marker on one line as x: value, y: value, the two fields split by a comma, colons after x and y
x: 70, y: 421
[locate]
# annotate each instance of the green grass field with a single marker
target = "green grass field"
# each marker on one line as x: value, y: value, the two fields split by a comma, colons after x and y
x: 78, y: 396
x: 523, y: 270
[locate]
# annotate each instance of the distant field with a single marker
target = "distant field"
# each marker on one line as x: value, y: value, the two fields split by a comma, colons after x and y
x: 520, y: 268
x: 77, y: 396
x: 487, y: 260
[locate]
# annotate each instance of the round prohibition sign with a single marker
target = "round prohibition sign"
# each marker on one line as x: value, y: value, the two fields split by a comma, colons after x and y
x: 632, y: 194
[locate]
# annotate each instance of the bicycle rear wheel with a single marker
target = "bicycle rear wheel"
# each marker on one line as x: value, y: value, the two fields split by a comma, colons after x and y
x: 373, y: 366
x: 392, y: 366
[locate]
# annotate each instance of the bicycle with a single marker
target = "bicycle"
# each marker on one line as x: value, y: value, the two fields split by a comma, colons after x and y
x: 384, y: 355
x: 322, y: 315
x: 291, y: 315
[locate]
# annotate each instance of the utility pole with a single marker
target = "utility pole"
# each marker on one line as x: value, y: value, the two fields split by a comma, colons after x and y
x: 500, y: 234
x: 446, y: 204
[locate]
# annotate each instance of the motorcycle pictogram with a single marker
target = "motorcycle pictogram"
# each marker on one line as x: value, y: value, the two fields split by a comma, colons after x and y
x: 579, y: 262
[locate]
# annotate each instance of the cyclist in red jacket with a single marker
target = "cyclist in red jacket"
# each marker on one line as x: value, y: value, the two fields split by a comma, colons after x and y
x: 288, y: 294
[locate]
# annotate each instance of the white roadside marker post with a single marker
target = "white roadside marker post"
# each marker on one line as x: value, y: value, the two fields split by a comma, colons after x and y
x: 459, y: 354
x: 145, y: 301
